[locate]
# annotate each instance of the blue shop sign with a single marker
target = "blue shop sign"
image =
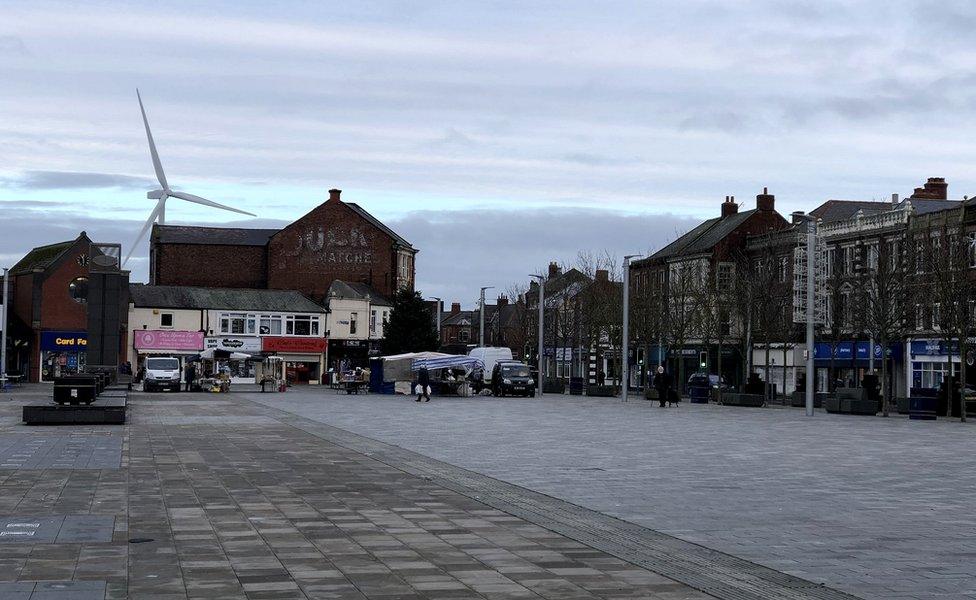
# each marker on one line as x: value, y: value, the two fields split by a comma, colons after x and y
x: 64, y: 341
x: 850, y: 351
x: 933, y: 348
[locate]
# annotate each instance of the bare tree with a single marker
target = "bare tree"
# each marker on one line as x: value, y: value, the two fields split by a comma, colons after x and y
x: 952, y: 292
x: 884, y: 294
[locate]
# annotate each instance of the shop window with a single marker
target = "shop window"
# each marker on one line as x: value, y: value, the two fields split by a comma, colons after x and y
x: 353, y: 323
x: 78, y: 289
x: 166, y: 320
x: 929, y: 374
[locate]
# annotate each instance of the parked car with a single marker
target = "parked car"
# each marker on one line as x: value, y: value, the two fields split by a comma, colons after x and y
x: 512, y: 378
x: 162, y: 373
x: 490, y: 356
x: 707, y: 380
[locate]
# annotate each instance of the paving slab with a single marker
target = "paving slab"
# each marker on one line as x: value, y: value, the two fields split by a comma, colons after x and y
x: 862, y: 504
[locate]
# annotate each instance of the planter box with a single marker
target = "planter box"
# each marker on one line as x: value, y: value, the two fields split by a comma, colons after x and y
x: 651, y: 393
x: 832, y: 404
x: 753, y: 400
x: 901, y: 405
x: 576, y: 386
x: 554, y: 387
x: 607, y: 391
x: 864, y: 407
x: 922, y: 408
x: 698, y: 395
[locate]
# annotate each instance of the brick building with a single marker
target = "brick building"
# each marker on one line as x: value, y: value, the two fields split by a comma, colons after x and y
x: 48, y: 310
x: 336, y: 240
x: 669, y: 287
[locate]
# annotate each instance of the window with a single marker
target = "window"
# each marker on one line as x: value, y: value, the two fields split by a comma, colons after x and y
x: 784, y: 268
x: 936, y: 315
x: 166, y: 320
x: 831, y: 255
x: 463, y: 335
x: 302, y: 325
x: 848, y: 255
x: 919, y: 256
x: 724, y: 274
x: 233, y: 323
x: 78, y: 290
x: 872, y: 257
x: 919, y: 317
x: 353, y: 322
x: 971, y: 250
x: 894, y: 255
x: 270, y: 325
x: 372, y: 322
x: 929, y: 374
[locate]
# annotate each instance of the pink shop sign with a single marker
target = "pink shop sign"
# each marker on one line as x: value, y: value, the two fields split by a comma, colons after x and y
x: 156, y: 339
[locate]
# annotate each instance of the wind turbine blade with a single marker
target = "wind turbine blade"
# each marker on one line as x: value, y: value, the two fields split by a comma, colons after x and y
x: 158, y: 166
x: 205, y: 202
x: 145, y: 228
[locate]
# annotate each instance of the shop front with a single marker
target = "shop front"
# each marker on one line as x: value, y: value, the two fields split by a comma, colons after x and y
x: 165, y: 342
x: 851, y: 361
x: 304, y: 357
x: 930, y: 361
x: 62, y: 353
x: 240, y: 370
x: 349, y: 354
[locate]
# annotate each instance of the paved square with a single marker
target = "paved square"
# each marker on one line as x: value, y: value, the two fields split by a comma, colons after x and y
x: 882, y: 508
x: 37, y: 449
x: 229, y: 499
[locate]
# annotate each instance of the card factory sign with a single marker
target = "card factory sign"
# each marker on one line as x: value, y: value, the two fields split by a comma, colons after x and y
x: 233, y: 344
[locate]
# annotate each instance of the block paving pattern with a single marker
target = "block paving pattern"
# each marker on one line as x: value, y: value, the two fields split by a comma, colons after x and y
x: 224, y: 500
x: 879, y: 508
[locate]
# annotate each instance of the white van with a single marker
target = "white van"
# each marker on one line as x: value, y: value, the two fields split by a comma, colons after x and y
x: 162, y: 372
x: 490, y: 355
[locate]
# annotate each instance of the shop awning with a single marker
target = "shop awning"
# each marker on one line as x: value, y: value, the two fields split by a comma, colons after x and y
x: 447, y: 362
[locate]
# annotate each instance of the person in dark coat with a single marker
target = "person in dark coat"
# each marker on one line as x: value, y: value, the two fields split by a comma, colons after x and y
x: 191, y: 374
x: 423, y: 384
x: 662, y: 383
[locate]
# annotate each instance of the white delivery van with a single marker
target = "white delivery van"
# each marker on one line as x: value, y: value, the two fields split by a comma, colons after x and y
x: 162, y: 373
x: 490, y: 355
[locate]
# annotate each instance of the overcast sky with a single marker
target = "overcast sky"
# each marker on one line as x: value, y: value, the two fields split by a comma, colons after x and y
x: 495, y: 136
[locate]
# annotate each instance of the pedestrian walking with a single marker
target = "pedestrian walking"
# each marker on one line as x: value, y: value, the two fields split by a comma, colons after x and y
x: 423, y: 384
x: 662, y: 383
x: 191, y: 374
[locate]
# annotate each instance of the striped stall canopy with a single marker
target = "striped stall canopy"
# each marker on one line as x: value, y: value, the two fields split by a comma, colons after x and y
x: 447, y: 362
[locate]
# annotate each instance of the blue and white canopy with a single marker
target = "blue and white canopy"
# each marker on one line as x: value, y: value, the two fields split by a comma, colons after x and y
x: 447, y: 362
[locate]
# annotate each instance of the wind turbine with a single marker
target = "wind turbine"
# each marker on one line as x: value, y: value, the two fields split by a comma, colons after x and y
x: 159, y: 213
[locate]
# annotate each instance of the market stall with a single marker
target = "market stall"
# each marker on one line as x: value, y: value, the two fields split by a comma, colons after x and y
x: 212, y: 376
x: 449, y: 373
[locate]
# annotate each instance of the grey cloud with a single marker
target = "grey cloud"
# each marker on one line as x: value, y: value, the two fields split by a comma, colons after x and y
x: 63, y: 180
x: 460, y: 251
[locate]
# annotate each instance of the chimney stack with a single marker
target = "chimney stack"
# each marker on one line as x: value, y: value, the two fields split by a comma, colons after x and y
x: 554, y: 270
x: 729, y: 207
x: 894, y: 198
x: 766, y: 201
x: 502, y: 300
x: 455, y: 308
x: 602, y: 275
x: 334, y: 195
x: 935, y: 188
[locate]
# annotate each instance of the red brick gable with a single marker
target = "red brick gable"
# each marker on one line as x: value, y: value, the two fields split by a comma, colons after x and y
x: 331, y: 242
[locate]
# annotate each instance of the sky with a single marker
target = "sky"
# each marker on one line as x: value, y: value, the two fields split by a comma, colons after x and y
x: 495, y: 136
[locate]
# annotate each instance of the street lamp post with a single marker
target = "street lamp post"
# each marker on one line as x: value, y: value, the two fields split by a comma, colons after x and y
x: 625, y: 343
x: 481, y: 310
x: 811, y: 302
x: 438, y: 309
x: 542, y: 300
